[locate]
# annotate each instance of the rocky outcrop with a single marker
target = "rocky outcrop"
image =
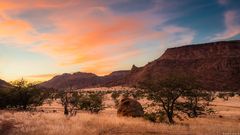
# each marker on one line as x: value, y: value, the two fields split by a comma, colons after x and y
x: 130, y: 107
x: 215, y: 65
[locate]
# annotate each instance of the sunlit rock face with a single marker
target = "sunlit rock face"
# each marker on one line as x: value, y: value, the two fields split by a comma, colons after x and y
x: 215, y: 65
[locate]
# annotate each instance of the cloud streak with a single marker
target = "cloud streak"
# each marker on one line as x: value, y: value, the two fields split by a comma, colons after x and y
x: 223, y: 2
x: 90, y: 34
x: 232, y: 24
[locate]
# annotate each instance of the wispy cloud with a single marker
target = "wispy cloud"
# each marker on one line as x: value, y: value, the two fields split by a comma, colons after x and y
x: 232, y: 24
x: 90, y: 34
x: 223, y: 2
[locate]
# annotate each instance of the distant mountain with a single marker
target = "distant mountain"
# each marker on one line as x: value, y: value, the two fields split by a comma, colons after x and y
x: 4, y: 84
x: 80, y: 80
x: 216, y: 65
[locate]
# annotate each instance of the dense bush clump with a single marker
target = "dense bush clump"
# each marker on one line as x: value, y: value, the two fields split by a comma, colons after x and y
x: 22, y: 95
x: 87, y: 101
x: 92, y: 102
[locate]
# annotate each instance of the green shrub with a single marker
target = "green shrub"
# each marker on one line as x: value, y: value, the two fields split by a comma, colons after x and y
x: 115, y: 95
x: 92, y: 102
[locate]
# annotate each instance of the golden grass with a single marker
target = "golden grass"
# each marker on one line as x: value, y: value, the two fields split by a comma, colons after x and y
x: 26, y: 123
x: 107, y: 123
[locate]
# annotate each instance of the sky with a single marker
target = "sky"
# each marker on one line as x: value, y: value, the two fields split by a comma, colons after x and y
x: 42, y: 38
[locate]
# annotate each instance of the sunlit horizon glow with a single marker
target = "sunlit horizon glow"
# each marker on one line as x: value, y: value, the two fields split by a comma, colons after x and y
x: 40, y: 39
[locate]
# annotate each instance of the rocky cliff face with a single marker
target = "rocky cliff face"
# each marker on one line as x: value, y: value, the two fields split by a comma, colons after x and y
x: 216, y: 65
x: 84, y: 80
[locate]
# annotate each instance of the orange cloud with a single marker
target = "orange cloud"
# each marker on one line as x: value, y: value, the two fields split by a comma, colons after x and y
x: 85, y: 33
x: 17, y: 31
x: 107, y: 65
x: 71, y: 46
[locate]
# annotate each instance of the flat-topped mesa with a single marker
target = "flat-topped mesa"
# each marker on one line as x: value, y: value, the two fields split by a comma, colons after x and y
x: 215, y: 65
x: 204, y: 51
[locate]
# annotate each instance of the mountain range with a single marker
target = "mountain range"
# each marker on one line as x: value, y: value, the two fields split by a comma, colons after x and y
x: 215, y: 65
x: 80, y: 80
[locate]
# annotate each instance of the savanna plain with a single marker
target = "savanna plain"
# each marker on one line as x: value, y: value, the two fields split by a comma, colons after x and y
x: 50, y: 120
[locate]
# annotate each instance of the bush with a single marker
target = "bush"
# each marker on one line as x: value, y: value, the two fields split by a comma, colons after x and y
x: 150, y: 116
x: 115, y: 95
x: 23, y: 95
x: 226, y: 95
x: 154, y: 117
x: 92, y: 102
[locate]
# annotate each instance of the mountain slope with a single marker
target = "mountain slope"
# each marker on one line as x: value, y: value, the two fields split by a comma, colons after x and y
x: 4, y: 85
x: 84, y: 80
x: 216, y: 65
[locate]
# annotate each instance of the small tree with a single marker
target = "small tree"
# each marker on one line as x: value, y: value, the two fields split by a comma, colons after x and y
x: 64, y: 97
x: 165, y: 93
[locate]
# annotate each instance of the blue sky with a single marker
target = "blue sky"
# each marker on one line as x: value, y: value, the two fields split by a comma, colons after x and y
x: 41, y: 38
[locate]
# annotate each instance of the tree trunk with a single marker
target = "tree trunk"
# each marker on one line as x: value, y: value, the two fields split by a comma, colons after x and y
x: 65, y: 109
x: 195, y: 107
x: 66, y: 112
x: 170, y: 117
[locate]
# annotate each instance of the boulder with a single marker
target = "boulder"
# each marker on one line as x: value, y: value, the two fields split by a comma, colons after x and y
x: 130, y: 107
